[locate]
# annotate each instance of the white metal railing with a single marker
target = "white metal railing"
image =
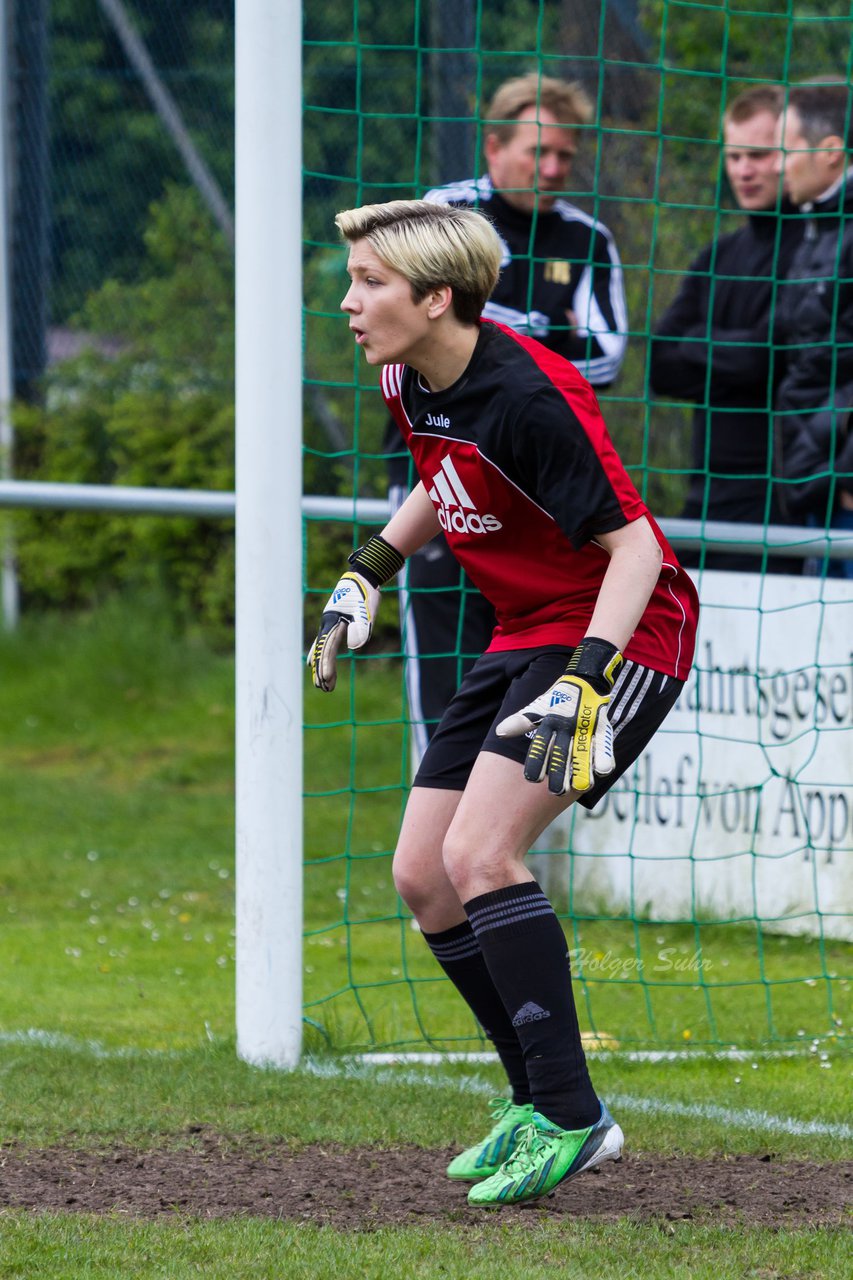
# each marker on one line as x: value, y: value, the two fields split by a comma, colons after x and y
x: 786, y: 540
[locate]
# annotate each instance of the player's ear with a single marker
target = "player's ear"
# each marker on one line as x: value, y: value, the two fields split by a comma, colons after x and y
x: 439, y: 301
x: 836, y: 154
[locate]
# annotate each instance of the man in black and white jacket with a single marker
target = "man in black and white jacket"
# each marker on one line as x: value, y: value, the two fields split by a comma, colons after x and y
x: 561, y: 282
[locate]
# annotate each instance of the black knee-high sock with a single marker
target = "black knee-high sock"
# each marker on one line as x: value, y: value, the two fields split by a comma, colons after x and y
x: 459, y: 954
x: 525, y: 950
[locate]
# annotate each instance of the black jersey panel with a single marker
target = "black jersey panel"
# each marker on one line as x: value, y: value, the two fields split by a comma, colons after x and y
x: 560, y: 469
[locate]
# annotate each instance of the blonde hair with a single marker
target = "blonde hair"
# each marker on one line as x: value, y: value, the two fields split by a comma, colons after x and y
x: 432, y: 245
x: 751, y: 102
x: 568, y: 103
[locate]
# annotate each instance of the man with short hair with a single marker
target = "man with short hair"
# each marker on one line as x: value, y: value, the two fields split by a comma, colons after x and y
x: 712, y: 345
x: 814, y: 443
x: 560, y: 282
x: 561, y: 277
x: 556, y: 536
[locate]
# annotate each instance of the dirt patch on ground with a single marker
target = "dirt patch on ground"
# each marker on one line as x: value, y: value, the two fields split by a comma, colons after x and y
x: 217, y: 1177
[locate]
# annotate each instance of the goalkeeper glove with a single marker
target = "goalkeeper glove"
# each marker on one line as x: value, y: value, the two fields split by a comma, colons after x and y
x: 573, y: 738
x: 351, y: 608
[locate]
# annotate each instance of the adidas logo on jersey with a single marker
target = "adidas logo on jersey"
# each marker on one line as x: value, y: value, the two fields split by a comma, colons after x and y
x: 456, y: 511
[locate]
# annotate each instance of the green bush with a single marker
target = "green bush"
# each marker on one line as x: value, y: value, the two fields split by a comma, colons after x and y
x: 150, y: 402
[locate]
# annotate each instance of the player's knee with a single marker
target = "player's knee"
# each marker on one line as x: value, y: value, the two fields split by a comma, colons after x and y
x: 410, y: 886
x: 465, y: 867
x: 451, y: 856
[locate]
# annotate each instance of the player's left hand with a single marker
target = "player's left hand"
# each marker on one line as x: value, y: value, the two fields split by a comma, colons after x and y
x: 572, y: 739
x: 350, y: 610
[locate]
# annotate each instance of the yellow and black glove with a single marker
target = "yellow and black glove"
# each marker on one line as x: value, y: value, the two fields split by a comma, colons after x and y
x: 351, y: 608
x: 571, y: 736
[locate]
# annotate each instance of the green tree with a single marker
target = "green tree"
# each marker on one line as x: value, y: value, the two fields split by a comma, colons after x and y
x: 110, y: 155
x: 153, y: 406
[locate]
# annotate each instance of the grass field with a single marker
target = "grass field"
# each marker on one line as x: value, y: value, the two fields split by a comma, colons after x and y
x: 90, y: 1249
x: 117, y: 1010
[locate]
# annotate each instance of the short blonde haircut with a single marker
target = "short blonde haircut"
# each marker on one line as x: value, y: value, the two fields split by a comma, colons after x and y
x: 568, y: 103
x: 751, y: 102
x: 431, y: 245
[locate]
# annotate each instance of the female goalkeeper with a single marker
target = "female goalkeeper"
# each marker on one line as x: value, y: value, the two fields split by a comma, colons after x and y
x: 595, y: 632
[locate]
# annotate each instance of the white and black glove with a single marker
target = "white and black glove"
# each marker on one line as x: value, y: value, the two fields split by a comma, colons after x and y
x: 351, y: 608
x: 573, y: 738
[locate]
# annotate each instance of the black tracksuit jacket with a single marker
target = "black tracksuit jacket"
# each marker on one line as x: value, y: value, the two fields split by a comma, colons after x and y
x: 712, y: 346
x: 814, y: 333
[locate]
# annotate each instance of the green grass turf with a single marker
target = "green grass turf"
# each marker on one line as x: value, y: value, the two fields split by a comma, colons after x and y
x: 116, y: 871
x: 369, y: 979
x: 116, y: 831
x: 56, y: 1247
x: 54, y: 1093
x: 117, y: 946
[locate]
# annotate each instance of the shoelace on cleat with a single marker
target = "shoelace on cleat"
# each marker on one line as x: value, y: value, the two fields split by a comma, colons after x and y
x: 499, y: 1107
x: 530, y: 1142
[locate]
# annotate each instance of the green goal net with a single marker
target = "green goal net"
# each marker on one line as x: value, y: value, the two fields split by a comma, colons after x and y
x: 707, y: 901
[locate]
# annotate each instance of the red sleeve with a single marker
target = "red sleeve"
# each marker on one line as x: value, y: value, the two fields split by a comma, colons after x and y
x: 391, y: 383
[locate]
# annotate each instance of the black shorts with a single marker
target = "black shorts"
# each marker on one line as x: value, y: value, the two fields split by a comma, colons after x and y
x: 500, y: 683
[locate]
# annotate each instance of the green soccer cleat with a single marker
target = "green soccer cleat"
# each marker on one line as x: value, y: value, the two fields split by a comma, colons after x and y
x: 484, y: 1159
x: 545, y: 1156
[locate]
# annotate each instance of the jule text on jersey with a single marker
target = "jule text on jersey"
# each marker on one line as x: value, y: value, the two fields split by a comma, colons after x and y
x: 437, y: 420
x: 457, y: 511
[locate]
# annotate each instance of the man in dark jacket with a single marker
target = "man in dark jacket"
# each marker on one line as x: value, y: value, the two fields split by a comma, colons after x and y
x: 561, y: 282
x: 814, y: 443
x: 712, y: 345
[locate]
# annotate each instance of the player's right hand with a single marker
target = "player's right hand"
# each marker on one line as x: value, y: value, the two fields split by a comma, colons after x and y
x: 571, y: 739
x: 351, y: 608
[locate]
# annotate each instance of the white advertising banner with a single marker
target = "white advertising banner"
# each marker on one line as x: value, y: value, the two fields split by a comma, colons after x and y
x: 742, y: 806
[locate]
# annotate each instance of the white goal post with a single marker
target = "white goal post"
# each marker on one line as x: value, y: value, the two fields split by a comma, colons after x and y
x: 269, y: 530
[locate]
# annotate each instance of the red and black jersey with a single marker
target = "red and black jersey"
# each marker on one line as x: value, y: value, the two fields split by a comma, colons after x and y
x: 519, y: 463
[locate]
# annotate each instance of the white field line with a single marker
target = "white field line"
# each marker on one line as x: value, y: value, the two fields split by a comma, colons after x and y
x: 386, y: 1069
x: 738, y: 1118
x: 729, y: 1054
x: 93, y: 1048
x: 58, y: 1040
